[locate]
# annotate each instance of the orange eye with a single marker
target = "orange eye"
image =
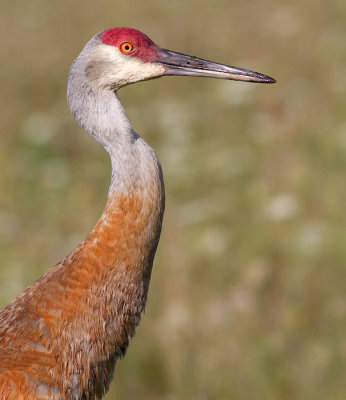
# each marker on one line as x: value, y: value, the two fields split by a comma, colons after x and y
x: 126, y: 47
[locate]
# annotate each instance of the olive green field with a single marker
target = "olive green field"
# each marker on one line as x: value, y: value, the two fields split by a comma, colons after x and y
x: 248, y: 292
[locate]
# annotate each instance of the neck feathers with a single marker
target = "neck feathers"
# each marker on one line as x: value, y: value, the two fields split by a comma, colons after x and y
x: 116, y: 258
x: 97, y: 109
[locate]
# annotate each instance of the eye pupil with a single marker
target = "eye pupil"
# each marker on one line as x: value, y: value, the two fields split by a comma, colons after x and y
x: 126, y: 47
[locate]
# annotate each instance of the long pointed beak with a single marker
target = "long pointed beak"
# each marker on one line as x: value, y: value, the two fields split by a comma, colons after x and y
x: 183, y: 64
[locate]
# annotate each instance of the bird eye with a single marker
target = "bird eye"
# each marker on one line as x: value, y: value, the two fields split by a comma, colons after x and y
x: 126, y: 47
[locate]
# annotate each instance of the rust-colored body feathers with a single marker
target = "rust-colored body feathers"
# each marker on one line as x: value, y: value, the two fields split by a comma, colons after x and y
x: 61, y: 337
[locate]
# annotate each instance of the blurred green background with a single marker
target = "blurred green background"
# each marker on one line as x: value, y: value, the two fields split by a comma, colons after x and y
x: 247, y: 299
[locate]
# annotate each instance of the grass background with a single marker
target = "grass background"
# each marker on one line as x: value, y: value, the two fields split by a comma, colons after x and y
x: 247, y: 299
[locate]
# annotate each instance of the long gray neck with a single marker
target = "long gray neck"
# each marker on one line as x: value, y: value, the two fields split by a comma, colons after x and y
x: 100, y: 113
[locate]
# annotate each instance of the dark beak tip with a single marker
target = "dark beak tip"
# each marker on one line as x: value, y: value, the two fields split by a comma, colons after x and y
x: 266, y: 79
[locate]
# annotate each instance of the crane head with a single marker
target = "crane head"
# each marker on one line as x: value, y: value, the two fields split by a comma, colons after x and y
x: 126, y: 55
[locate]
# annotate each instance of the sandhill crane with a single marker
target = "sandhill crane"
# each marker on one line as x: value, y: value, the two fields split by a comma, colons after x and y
x: 61, y: 337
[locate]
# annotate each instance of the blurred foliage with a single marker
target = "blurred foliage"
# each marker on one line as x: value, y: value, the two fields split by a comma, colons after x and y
x: 247, y: 299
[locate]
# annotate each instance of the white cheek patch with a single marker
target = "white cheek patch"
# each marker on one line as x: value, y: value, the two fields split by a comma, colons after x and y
x: 111, y: 68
